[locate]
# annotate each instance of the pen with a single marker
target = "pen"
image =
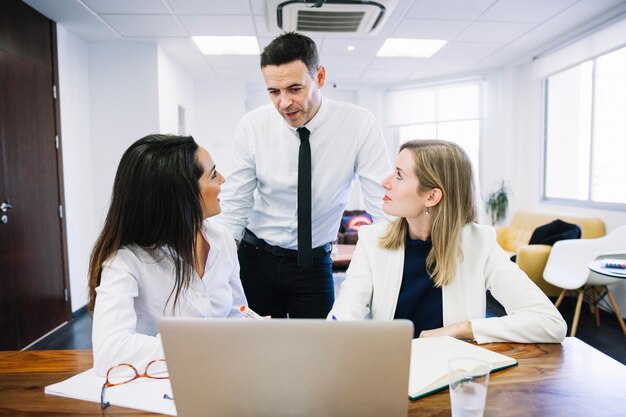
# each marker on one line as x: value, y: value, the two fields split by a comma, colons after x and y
x: 249, y: 313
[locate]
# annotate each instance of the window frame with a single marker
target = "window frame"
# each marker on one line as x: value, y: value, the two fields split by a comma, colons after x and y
x: 588, y: 203
x: 479, y: 82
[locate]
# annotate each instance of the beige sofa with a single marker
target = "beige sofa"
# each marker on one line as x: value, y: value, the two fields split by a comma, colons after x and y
x: 532, y: 258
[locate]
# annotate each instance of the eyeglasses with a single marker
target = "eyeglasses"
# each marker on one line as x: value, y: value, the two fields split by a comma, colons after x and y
x: 125, y: 373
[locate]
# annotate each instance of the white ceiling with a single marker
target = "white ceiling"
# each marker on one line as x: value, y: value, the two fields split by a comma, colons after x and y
x: 481, y: 34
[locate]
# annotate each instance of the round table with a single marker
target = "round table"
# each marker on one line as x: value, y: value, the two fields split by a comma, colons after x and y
x: 597, y: 266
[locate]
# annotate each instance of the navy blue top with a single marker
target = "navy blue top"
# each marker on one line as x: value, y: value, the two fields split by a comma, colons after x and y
x: 419, y: 300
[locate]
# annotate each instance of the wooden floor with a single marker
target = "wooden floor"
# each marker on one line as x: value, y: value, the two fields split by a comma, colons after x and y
x: 608, y: 338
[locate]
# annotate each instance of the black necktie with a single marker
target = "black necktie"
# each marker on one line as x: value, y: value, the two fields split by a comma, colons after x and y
x: 304, y: 200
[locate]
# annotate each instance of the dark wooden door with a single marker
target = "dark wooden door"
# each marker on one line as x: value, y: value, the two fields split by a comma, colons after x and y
x: 8, y: 309
x: 33, y: 284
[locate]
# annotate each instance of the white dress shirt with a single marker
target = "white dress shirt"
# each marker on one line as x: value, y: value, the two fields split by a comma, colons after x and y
x: 345, y: 141
x: 134, y: 293
x: 374, y: 278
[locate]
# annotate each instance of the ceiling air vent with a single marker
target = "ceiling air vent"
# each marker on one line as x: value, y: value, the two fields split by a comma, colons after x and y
x: 332, y: 17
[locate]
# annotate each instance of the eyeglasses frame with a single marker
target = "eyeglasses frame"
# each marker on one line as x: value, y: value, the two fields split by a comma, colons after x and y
x: 106, y: 384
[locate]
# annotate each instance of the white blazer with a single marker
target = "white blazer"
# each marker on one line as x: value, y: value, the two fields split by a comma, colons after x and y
x: 373, y: 281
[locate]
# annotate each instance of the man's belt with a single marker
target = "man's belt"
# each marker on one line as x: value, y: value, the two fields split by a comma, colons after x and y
x: 259, y: 244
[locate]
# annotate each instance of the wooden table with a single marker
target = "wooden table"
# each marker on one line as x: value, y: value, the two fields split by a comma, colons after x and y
x: 570, y: 379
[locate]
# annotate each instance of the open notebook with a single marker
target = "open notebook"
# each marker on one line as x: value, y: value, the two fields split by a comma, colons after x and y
x: 429, y: 362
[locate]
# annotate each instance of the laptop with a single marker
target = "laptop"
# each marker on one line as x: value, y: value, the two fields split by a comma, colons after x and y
x: 288, y: 368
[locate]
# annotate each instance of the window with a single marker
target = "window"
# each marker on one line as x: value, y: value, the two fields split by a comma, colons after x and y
x: 585, y: 141
x: 450, y: 112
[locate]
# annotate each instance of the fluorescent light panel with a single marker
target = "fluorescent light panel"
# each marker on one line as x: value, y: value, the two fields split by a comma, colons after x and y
x: 412, y: 48
x: 227, y: 45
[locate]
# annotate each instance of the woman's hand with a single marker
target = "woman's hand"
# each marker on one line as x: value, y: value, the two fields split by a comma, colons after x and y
x: 461, y: 330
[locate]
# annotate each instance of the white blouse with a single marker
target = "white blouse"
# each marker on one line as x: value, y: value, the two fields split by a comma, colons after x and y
x: 136, y: 291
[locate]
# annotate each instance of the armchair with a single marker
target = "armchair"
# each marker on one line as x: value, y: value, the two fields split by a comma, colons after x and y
x: 532, y: 258
x: 567, y: 268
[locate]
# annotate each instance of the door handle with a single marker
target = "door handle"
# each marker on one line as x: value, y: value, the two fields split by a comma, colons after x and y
x: 4, y: 207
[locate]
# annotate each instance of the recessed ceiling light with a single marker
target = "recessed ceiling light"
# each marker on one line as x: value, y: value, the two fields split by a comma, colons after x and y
x: 227, y: 45
x: 350, y: 48
x: 413, y: 48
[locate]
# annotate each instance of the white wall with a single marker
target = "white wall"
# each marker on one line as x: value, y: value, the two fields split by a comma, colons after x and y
x: 373, y: 100
x: 124, y: 107
x: 496, y: 140
x: 176, y: 88
x: 219, y: 105
x: 82, y: 227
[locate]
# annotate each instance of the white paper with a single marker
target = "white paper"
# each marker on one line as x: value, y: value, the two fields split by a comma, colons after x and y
x: 142, y: 394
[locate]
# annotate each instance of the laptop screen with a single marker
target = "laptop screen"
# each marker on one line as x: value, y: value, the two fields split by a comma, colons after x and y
x: 230, y: 367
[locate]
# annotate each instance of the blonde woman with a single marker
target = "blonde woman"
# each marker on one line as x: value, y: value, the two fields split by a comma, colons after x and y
x: 434, y: 264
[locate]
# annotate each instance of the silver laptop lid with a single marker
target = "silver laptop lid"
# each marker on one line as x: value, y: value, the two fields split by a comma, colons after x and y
x: 290, y: 368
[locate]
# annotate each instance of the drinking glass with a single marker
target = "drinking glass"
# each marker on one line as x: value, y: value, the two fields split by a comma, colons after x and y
x: 468, y: 379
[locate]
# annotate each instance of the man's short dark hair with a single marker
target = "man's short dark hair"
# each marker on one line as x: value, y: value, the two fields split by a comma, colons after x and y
x: 289, y: 47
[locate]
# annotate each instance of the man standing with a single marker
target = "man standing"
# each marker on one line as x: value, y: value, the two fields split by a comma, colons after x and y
x: 301, y: 161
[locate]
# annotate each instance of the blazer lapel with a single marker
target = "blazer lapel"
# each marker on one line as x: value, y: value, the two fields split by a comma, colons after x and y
x: 392, y: 280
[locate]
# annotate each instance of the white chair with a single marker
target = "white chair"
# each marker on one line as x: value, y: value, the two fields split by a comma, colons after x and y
x: 567, y: 268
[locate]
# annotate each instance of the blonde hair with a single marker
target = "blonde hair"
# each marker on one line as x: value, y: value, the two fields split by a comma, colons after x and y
x: 444, y: 165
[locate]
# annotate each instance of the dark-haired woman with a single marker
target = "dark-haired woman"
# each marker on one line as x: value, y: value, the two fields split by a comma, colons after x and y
x: 157, y: 254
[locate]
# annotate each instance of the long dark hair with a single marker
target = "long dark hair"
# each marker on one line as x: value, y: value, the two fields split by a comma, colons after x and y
x: 155, y: 203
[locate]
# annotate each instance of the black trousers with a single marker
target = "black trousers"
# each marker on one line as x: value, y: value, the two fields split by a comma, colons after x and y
x: 275, y: 285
